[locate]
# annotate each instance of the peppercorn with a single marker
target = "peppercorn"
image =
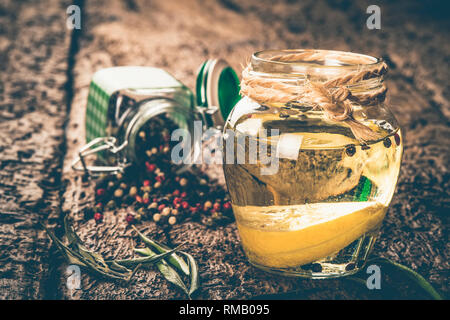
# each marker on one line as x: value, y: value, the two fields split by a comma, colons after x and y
x: 183, y: 182
x: 100, y: 192
x: 111, y: 204
x: 156, y: 217
x: 123, y: 185
x: 166, y: 211
x: 316, y: 267
x: 150, y: 166
x: 183, y: 194
x: 142, y: 135
x: 350, y: 266
x: 185, y: 204
x: 119, y: 176
x: 208, y: 205
x: 172, y: 220
x: 397, y: 139
x: 176, y: 193
x: 216, y: 206
x: 98, y: 217
x: 160, y: 178
x: 174, y: 212
x: 118, y: 193
x: 129, y: 218
x: 146, y: 183
x: 227, y: 205
x: 350, y: 150
x: 176, y: 200
x: 133, y: 191
x: 154, y: 150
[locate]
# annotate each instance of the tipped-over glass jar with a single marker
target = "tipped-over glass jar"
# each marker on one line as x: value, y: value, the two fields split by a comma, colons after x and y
x: 310, y: 196
x: 126, y: 102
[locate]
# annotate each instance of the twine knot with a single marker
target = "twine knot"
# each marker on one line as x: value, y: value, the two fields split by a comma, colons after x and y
x: 333, y: 96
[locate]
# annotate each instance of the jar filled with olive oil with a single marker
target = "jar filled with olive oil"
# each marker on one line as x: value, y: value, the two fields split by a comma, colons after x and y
x: 335, y: 151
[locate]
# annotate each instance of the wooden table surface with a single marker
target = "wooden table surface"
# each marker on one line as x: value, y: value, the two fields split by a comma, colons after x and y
x: 45, y: 72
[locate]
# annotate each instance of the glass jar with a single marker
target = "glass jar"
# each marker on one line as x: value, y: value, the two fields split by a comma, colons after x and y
x: 310, y: 197
x: 127, y: 105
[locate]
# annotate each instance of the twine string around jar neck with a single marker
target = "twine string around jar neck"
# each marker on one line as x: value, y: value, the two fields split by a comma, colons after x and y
x: 332, y: 96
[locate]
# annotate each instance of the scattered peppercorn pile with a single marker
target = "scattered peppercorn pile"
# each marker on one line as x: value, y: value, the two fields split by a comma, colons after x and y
x: 155, y: 189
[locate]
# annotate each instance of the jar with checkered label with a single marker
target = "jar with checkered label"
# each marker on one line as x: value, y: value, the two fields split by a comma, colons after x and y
x: 130, y: 105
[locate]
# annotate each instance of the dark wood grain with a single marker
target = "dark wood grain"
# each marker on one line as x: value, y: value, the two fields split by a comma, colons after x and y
x: 178, y: 36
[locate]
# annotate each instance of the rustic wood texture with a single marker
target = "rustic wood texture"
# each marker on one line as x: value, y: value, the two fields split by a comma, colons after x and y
x: 34, y: 49
x: 178, y: 36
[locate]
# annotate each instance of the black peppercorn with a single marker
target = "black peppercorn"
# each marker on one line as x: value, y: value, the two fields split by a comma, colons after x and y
x: 350, y: 266
x: 316, y: 267
x: 350, y: 150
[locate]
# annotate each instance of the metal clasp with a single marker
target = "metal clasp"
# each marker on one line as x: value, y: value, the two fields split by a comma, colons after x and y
x: 104, y: 143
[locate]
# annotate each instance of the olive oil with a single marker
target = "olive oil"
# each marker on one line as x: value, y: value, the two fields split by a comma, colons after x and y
x: 326, y: 199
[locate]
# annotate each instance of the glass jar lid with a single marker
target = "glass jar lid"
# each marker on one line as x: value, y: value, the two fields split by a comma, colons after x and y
x: 217, y: 85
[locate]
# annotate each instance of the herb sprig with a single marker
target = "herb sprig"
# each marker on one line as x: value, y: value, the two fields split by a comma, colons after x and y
x: 169, y: 263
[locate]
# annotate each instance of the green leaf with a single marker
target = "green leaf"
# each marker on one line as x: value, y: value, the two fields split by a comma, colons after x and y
x: 193, y: 271
x: 71, y: 257
x: 172, y: 276
x: 411, y: 274
x: 144, y: 260
x: 175, y: 260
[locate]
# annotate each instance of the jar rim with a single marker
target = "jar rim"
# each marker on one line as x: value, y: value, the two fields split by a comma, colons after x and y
x: 327, y: 61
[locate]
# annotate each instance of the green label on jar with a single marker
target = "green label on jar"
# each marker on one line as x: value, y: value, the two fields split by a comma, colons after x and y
x: 96, y: 112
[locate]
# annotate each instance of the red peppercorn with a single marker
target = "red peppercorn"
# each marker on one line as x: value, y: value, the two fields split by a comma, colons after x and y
x: 139, y: 199
x: 129, y: 218
x: 227, y: 205
x: 146, y: 183
x: 177, y: 206
x: 397, y: 139
x: 176, y: 193
x: 177, y: 179
x: 216, y: 206
x: 183, y: 194
x: 193, y: 209
x: 155, y: 200
x: 160, y: 178
x: 161, y: 206
x: 146, y: 200
x: 98, y: 217
x: 185, y: 204
x: 176, y: 200
x: 101, y: 191
x: 150, y: 166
